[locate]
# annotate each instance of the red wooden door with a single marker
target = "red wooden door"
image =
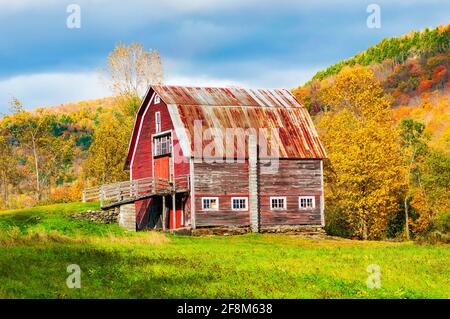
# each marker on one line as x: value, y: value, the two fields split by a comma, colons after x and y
x: 161, y: 167
x: 179, y: 222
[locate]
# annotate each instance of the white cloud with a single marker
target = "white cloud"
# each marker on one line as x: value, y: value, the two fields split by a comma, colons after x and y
x: 201, y: 80
x: 47, y: 89
x: 8, y: 6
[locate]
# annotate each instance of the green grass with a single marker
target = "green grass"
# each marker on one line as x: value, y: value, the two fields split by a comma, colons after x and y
x: 37, y: 245
x: 55, y: 218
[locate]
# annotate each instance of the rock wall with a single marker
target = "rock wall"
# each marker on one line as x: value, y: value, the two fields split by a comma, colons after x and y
x: 99, y: 216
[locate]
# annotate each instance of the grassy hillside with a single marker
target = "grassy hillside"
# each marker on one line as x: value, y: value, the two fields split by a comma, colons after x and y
x: 38, y: 244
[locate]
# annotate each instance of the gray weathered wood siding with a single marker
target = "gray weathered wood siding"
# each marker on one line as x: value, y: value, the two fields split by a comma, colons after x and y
x: 292, y: 178
x: 222, y: 180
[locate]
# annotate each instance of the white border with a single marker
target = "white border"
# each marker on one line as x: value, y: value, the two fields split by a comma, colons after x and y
x: 211, y: 209
x: 240, y: 209
x: 277, y: 197
x: 313, y: 198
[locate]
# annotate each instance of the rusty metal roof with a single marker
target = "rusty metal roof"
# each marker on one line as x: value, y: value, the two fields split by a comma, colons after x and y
x: 240, y: 108
x: 232, y: 96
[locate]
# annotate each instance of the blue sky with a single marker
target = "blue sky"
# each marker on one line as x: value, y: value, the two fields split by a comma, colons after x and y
x: 254, y: 43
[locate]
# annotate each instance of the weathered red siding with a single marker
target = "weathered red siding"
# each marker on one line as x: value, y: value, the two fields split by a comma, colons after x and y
x: 141, y: 166
x: 223, y: 180
x: 292, y: 178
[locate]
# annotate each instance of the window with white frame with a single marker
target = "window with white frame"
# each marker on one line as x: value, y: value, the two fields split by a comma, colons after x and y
x: 239, y: 203
x: 157, y: 99
x: 306, y: 202
x: 162, y: 145
x: 277, y: 203
x: 210, y: 203
x: 158, y: 122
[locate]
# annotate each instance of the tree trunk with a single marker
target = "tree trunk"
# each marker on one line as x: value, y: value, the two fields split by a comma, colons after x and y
x: 36, y: 166
x: 364, y: 231
x: 5, y: 187
x: 164, y: 213
x: 406, y: 218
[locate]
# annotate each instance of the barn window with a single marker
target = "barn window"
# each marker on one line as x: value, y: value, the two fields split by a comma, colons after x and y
x: 158, y: 122
x: 210, y: 203
x: 162, y: 145
x: 305, y: 202
x: 277, y: 203
x: 239, y: 203
x: 157, y: 99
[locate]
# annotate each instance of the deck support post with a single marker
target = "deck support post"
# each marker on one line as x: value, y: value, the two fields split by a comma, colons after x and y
x: 127, y: 216
x: 164, y: 213
x: 174, y: 213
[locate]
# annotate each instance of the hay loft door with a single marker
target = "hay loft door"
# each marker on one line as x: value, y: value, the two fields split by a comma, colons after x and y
x: 162, y: 150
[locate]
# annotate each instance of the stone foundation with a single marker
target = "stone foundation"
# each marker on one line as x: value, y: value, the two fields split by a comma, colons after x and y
x: 109, y: 216
x: 127, y: 216
x: 301, y: 230
x: 220, y: 231
x: 307, y: 230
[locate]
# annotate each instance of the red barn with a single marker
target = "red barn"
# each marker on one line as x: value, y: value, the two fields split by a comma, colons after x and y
x: 245, y: 158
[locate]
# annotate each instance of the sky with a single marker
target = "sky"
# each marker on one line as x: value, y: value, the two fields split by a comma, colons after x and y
x: 251, y: 43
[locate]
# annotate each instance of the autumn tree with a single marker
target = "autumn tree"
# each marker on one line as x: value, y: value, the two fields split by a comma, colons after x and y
x: 413, y: 142
x: 105, y: 163
x: 132, y: 69
x: 364, y: 176
x: 33, y: 133
x: 9, y: 173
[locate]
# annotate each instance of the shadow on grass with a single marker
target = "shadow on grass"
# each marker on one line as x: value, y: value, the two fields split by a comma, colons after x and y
x: 40, y: 272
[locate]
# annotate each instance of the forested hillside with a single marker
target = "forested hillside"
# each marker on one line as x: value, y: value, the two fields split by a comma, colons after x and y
x: 55, y: 140
x: 384, y: 115
x: 50, y: 154
x: 416, y: 44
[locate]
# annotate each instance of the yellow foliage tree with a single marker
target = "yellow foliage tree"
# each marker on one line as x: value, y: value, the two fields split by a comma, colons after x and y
x: 105, y: 163
x: 365, y: 173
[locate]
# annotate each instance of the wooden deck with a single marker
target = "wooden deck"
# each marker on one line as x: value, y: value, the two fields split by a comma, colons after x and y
x: 116, y: 194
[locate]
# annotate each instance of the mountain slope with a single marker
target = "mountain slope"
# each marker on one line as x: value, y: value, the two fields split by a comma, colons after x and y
x: 414, y: 71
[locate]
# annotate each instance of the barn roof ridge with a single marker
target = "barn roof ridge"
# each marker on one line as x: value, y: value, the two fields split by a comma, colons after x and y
x: 226, y: 96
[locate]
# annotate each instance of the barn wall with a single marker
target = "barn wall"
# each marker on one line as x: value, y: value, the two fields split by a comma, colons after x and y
x: 223, y: 180
x: 141, y: 166
x: 292, y: 178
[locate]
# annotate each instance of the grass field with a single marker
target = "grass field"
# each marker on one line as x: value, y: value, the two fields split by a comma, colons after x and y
x: 37, y: 245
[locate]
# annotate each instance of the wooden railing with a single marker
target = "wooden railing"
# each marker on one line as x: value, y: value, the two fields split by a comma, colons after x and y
x: 129, y: 191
